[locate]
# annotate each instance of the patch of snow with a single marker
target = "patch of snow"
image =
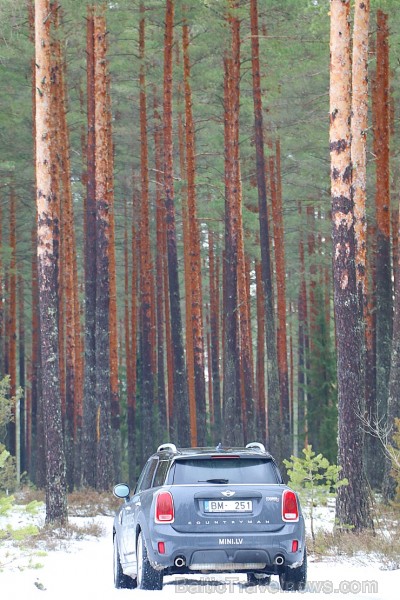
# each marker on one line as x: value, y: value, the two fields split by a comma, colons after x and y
x: 82, y: 570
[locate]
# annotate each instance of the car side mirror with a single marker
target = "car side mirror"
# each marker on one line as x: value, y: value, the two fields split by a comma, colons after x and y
x: 122, y: 490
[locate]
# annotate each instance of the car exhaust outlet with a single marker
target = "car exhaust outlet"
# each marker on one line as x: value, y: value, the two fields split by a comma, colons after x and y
x: 180, y: 561
x: 279, y: 560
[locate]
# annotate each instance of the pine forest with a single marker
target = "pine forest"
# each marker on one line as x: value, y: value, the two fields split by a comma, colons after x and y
x: 199, y: 236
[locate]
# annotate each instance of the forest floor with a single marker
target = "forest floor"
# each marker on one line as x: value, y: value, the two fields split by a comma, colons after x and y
x: 76, y: 563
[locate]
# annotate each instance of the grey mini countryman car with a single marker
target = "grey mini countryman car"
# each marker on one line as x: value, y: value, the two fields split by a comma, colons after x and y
x: 209, y: 510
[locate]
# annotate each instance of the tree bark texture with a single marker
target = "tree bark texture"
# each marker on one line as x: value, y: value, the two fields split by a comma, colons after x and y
x: 180, y: 403
x: 384, y: 304
x: 146, y: 303
x: 352, y: 507
x: 273, y: 433
x: 103, y: 387
x: 194, y: 251
x: 214, y: 338
x: 232, y: 424
x: 12, y: 323
x: 47, y: 251
x: 188, y: 288
x: 89, y: 466
x: 161, y: 257
x: 282, y: 352
x: 359, y: 127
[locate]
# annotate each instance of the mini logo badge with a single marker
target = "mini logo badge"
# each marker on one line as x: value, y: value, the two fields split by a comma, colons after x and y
x: 228, y: 493
x: 271, y: 499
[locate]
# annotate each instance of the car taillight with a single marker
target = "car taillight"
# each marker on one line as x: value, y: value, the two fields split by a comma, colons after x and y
x: 290, y: 509
x: 164, y: 508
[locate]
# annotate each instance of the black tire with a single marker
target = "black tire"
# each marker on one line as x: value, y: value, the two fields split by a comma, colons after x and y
x: 258, y: 579
x: 147, y: 577
x: 294, y: 580
x: 121, y: 581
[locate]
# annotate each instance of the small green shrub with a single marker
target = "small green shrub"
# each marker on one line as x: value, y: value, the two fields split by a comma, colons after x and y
x: 22, y: 533
x: 33, y: 507
x: 315, y: 479
x: 6, y: 503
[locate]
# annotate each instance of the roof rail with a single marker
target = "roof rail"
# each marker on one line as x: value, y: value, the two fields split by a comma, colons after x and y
x: 256, y: 445
x: 167, y: 447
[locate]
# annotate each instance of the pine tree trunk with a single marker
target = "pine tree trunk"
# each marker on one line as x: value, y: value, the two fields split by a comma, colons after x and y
x: 232, y: 423
x: 89, y: 409
x: 181, y: 409
x: 359, y: 127
x: 22, y: 369
x: 12, y: 323
x: 247, y: 376
x: 48, y: 223
x: 273, y: 434
x: 103, y: 388
x: 114, y: 366
x: 277, y: 216
x: 160, y: 268
x: 302, y: 420
x: 195, y: 257
x: 260, y: 368
x: 67, y: 294
x: 146, y: 304
x: 133, y: 450
x: 214, y: 339
x: 352, y: 508
x: 188, y: 288
x: 384, y: 308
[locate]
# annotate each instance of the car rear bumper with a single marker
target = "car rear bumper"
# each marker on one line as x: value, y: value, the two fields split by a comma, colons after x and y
x: 268, y: 552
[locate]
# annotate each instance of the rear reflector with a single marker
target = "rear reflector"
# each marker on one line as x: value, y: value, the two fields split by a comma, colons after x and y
x: 290, y: 509
x: 164, y: 512
x: 161, y: 547
x: 295, y: 545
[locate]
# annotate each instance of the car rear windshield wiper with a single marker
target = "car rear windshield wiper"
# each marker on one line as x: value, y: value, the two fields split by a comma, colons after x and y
x: 214, y: 481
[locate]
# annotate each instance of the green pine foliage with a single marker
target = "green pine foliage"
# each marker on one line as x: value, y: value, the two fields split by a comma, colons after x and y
x: 315, y: 479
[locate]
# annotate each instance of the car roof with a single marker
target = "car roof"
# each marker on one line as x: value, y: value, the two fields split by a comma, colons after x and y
x: 171, y: 451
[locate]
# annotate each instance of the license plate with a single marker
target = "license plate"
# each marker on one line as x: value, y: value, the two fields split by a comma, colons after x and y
x: 228, y: 506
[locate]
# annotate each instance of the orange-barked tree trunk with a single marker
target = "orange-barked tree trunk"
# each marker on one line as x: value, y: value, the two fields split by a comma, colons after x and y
x: 47, y: 249
x: 89, y: 466
x: 232, y: 409
x: 352, y: 506
x: 194, y: 249
x: 103, y: 386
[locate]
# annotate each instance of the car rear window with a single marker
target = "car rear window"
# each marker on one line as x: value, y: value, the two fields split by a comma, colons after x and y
x: 224, y: 470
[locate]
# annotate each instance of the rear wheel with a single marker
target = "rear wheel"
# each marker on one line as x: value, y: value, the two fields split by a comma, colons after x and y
x: 294, y: 580
x: 147, y: 577
x: 258, y: 579
x: 121, y: 581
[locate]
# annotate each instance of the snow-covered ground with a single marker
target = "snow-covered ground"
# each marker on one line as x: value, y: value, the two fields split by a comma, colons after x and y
x: 81, y: 569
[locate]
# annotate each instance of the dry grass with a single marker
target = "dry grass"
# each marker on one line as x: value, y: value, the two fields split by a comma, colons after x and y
x: 383, y: 542
x: 90, y: 503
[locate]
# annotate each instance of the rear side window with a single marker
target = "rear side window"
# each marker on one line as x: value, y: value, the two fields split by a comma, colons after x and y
x: 162, y: 469
x: 147, y: 476
x: 224, y: 470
